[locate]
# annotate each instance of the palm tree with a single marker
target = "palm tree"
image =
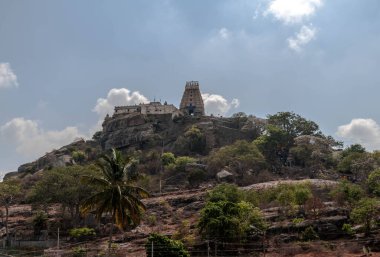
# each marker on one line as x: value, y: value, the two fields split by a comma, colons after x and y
x: 116, y: 196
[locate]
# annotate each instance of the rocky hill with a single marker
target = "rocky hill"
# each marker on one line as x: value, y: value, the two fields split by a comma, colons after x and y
x: 144, y: 132
x: 179, y: 159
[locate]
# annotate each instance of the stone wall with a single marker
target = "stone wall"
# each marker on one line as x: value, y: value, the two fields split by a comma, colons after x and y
x: 158, y: 108
x: 151, y: 108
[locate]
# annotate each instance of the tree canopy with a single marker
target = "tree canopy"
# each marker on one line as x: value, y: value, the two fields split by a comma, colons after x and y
x: 241, y: 156
x: 226, y: 217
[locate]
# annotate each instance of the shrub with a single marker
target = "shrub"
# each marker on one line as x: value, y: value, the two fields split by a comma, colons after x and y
x: 193, y: 141
x: 196, y: 140
x: 78, y: 156
x: 366, y: 213
x: 181, y: 162
x: 302, y: 194
x: 239, y: 157
x: 40, y: 220
x: 298, y: 220
x: 347, y: 228
x: 165, y: 247
x: 167, y: 158
x: 79, y: 251
x: 82, y: 234
x: 314, y: 206
x: 254, y: 197
x: 196, y: 177
x: 152, y: 220
x: 225, y: 192
x: 309, y: 234
x: 347, y: 194
x: 373, y: 182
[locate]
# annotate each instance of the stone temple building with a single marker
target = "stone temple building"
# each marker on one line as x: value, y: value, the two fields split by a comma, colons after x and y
x: 150, y: 108
x: 192, y: 102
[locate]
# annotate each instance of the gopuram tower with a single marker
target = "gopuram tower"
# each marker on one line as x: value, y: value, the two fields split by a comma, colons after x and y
x: 192, y: 102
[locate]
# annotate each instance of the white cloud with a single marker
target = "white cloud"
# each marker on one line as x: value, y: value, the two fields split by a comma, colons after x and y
x: 224, y: 33
x: 7, y: 77
x: 304, y: 36
x: 118, y: 97
x: 115, y: 97
x: 218, y: 105
x: 32, y: 141
x: 362, y: 131
x: 292, y: 11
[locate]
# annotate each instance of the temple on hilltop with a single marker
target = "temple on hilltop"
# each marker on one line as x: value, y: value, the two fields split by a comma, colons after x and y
x: 150, y: 108
x: 191, y: 104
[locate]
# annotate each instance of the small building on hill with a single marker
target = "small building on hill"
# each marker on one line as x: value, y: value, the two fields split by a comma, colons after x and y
x: 149, y: 108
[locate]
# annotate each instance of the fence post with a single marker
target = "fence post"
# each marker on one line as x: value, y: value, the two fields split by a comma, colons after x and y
x: 57, y: 239
x: 152, y: 250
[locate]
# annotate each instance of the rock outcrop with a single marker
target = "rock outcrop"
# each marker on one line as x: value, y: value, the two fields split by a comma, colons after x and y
x: 142, y: 131
x: 62, y: 157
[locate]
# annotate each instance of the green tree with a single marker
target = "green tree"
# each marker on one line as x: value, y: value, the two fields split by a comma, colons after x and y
x: 302, y: 194
x: 356, y: 148
x: 196, y: 140
x: 193, y: 141
x: 282, y: 128
x: 9, y: 191
x: 346, y: 165
x: 78, y: 156
x: 239, y: 115
x: 273, y: 145
x: 40, y: 221
x: 251, y: 219
x: 229, y: 221
x: 239, y: 120
x: 286, y: 197
x: 181, y: 163
x: 240, y: 157
x: 313, y: 151
x: 167, y: 158
x: 347, y: 194
x: 220, y: 220
x: 373, y: 182
x: 293, y: 124
x: 165, y: 247
x: 117, y: 195
x: 366, y: 213
x: 357, y: 163
x: 226, y: 217
x: 63, y: 186
x: 225, y: 192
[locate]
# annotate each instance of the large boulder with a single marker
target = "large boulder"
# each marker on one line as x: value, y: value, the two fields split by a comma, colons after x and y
x: 225, y: 176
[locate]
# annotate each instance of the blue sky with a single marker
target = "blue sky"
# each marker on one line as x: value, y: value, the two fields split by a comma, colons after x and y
x: 64, y: 64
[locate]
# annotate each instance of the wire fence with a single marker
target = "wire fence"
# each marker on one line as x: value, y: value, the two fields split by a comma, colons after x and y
x: 219, y: 246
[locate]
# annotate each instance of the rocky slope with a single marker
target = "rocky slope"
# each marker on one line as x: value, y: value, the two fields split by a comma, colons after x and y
x: 146, y: 132
x: 176, y: 214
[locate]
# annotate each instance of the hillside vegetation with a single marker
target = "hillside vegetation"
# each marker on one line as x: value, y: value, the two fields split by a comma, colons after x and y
x: 238, y: 186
